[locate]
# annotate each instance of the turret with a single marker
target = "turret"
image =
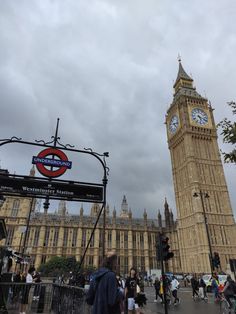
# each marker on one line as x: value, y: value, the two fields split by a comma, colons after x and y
x: 114, y: 216
x: 159, y: 218
x: 145, y: 214
x: 124, y: 208
x: 130, y: 214
x: 167, y: 213
x: 95, y: 210
x: 32, y: 171
x: 62, y: 208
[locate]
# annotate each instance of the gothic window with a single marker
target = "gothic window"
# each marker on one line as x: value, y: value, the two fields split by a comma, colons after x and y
x: 83, y: 244
x: 109, y: 238
x: 126, y: 265
x: 141, y: 241
x: 36, y: 236
x: 43, y: 260
x: 134, y: 240
x: 90, y: 260
x: 65, y: 237
x: 74, y: 238
x: 92, y: 240
x: 122, y: 266
x: 150, y: 241
x: 10, y: 234
x: 126, y: 239
x: 100, y: 238
x: 46, y: 238
x: 15, y: 208
x: 142, y: 263
x: 117, y: 239
x: 56, y: 235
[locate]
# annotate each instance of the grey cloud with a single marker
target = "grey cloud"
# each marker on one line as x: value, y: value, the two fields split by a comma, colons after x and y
x: 106, y: 68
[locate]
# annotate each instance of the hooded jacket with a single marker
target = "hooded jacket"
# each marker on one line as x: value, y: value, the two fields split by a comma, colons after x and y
x: 107, y: 295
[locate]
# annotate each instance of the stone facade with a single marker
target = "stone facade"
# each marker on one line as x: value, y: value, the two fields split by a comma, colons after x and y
x: 63, y: 234
x: 197, y: 170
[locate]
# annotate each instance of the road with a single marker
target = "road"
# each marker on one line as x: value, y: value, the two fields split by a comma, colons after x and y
x: 186, y: 306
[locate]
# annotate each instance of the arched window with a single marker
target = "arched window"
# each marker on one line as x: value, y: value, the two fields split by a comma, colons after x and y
x: 15, y: 208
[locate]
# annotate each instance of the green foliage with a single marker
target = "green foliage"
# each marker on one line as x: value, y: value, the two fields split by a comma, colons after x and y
x: 58, y: 265
x: 228, y: 130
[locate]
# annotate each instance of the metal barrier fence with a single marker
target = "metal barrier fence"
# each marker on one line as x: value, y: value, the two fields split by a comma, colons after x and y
x: 42, y: 298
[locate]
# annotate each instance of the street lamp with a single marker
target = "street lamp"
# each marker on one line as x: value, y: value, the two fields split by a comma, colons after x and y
x: 205, y: 195
x: 22, y: 230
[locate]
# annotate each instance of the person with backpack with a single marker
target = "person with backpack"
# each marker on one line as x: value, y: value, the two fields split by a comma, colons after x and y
x: 230, y: 290
x: 174, y: 286
x: 215, y: 286
x: 194, y: 284
x: 202, y: 289
x: 104, y: 294
x: 157, y: 286
x: 131, y: 291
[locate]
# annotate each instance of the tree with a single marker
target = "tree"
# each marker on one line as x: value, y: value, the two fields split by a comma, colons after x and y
x: 228, y: 130
x: 59, y: 265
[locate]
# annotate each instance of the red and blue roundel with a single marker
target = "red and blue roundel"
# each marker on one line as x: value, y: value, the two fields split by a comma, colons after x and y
x: 61, y: 163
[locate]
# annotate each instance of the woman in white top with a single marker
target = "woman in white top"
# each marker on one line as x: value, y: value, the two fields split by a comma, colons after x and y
x: 26, y: 279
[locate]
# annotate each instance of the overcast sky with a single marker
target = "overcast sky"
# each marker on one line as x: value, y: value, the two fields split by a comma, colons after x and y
x: 106, y: 68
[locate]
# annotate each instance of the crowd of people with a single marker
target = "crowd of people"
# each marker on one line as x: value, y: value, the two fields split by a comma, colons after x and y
x: 171, y: 289
x: 28, y: 277
x: 110, y: 294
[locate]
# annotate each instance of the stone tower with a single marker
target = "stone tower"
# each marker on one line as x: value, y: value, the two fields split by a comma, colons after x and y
x: 197, y: 170
x: 124, y: 213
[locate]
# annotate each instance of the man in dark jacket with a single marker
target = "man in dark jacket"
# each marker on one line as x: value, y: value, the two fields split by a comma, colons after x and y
x: 104, y: 293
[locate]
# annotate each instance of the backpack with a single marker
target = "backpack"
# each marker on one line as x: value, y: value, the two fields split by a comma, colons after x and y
x: 90, y: 296
x: 232, y: 286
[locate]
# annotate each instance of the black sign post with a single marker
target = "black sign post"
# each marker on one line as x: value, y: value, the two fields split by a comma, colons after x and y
x: 22, y: 186
x: 52, y: 162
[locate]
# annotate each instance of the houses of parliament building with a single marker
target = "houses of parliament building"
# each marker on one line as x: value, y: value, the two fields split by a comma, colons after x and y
x: 204, y: 224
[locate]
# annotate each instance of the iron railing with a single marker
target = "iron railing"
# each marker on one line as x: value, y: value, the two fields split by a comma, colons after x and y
x: 42, y: 298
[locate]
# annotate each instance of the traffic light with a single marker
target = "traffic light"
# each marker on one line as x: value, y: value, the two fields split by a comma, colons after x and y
x: 216, y: 260
x: 165, y: 249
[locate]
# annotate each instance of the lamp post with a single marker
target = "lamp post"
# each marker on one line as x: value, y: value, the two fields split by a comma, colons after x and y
x: 205, y: 195
x: 2, y: 200
x: 27, y: 226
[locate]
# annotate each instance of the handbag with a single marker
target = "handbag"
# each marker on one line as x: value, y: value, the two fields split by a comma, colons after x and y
x: 138, y: 290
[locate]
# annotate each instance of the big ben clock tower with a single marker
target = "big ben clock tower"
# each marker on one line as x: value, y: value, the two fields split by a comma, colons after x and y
x: 205, y: 219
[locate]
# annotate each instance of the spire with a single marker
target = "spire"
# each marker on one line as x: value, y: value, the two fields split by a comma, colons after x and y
x: 81, y: 210
x: 166, y: 206
x: 167, y: 213
x: 171, y: 218
x: 182, y: 74
x: 32, y: 171
x: 130, y: 214
x: 184, y: 84
x: 114, y: 213
x: 124, y: 205
x: 145, y: 214
x: 159, y: 219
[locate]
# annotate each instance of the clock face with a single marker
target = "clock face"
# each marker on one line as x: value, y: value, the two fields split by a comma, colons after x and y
x: 174, y: 123
x: 199, y: 116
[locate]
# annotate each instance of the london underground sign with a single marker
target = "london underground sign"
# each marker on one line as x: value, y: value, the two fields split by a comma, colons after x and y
x: 62, y: 163
x: 52, y: 162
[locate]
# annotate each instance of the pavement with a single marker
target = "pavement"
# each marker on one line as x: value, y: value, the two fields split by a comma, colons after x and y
x: 186, y: 306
